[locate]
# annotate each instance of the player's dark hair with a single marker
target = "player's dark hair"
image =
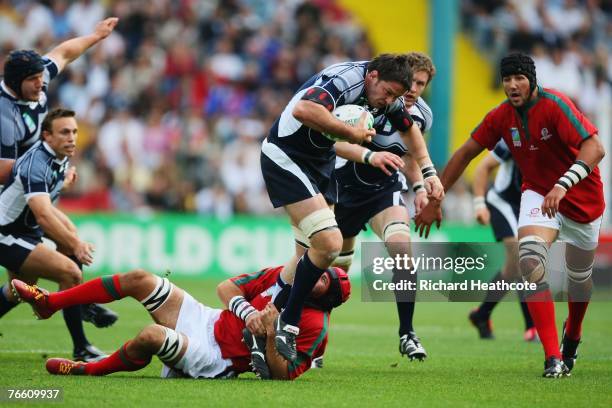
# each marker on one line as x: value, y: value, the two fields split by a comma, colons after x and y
x: 19, y: 65
x: 393, y: 68
x: 47, y: 124
x: 421, y: 62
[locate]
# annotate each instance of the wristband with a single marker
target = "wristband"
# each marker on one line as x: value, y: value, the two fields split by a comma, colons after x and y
x: 367, y: 156
x: 576, y: 173
x: 241, y: 307
x: 479, y: 202
x: 418, y: 186
x: 428, y: 171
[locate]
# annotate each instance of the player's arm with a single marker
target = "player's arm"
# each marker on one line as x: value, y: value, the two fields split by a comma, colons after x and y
x: 413, y: 138
x: 479, y: 187
x: 279, y: 368
x: 590, y: 154
x: 414, y: 176
x: 71, y: 49
x: 319, y: 118
x: 359, y: 154
x: 234, y: 300
x: 6, y: 166
x: 46, y: 216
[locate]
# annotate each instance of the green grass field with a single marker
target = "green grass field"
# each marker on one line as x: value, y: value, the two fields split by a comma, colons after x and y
x: 362, y: 364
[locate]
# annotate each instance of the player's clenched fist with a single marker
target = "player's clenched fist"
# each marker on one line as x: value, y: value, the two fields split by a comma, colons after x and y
x: 105, y: 27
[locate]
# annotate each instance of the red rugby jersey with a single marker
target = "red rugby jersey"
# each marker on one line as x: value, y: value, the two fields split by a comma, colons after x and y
x: 311, y: 341
x: 544, y: 138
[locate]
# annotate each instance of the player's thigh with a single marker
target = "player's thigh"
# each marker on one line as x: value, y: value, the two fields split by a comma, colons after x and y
x: 167, y: 315
x: 44, y: 262
x: 390, y: 215
x: 300, y: 210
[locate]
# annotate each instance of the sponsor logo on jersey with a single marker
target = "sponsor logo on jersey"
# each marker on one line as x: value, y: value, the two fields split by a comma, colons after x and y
x: 516, y: 137
x: 532, y: 148
x: 29, y: 122
x: 545, y: 134
x: 535, y: 212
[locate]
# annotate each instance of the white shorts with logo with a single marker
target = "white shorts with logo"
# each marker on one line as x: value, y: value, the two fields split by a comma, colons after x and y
x: 584, y: 236
x: 203, y: 357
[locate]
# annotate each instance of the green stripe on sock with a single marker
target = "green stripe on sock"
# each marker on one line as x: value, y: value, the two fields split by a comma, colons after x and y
x: 109, y: 285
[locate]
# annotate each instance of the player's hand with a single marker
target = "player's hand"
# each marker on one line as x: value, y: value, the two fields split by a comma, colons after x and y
x: 255, y: 324
x: 550, y: 206
x: 420, y: 201
x: 428, y: 215
x: 434, y: 187
x: 268, y: 316
x: 84, y: 252
x: 360, y: 133
x: 386, y: 160
x: 483, y: 215
x: 105, y: 27
x: 70, y: 178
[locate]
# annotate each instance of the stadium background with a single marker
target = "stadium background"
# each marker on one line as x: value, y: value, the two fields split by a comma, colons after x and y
x: 174, y: 105
x: 172, y: 110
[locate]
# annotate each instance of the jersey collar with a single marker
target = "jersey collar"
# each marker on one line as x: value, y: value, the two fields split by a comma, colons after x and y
x: 51, y: 152
x: 533, y: 101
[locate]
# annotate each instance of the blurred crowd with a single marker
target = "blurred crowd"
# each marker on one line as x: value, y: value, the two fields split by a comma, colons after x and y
x: 174, y: 104
x: 570, y: 40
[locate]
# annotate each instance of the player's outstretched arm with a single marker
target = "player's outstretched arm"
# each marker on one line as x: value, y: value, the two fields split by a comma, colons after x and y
x: 385, y: 161
x: 54, y: 227
x: 479, y: 188
x: 317, y: 117
x: 71, y: 49
x: 413, y: 138
x: 279, y: 368
x: 413, y: 173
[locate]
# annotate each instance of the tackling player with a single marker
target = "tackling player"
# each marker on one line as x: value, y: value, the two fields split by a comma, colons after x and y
x: 298, y: 162
x: 500, y: 208
x: 23, y: 107
x: 557, y: 150
x: 27, y: 212
x: 191, y: 339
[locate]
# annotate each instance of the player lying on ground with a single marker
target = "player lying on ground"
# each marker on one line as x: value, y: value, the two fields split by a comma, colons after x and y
x: 193, y: 340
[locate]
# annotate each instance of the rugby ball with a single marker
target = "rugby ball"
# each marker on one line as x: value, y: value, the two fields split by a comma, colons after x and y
x: 350, y: 115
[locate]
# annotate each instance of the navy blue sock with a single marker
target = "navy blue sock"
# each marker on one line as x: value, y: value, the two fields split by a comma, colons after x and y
x: 306, y: 276
x: 526, y: 315
x: 280, y: 301
x: 74, y: 323
x: 404, y: 300
x: 492, y: 299
x: 5, y: 304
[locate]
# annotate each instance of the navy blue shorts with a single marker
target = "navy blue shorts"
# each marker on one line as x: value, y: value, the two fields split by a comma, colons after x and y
x: 14, y: 249
x: 355, y: 209
x: 290, y: 180
x: 504, y: 216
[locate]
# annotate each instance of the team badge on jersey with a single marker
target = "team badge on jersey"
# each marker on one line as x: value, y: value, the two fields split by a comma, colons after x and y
x: 516, y: 137
x: 545, y: 134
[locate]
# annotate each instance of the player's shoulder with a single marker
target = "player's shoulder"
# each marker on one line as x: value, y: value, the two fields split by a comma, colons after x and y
x: 264, y: 274
x: 423, y: 113
x: 555, y: 98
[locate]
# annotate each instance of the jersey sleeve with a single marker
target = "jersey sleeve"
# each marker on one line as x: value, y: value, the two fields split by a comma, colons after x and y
x: 486, y: 133
x: 311, y: 341
x: 501, y: 153
x: 422, y: 115
x: 399, y: 116
x: 9, y: 136
x: 33, y: 176
x: 335, y: 84
x: 252, y: 284
x: 51, y: 69
x: 572, y: 126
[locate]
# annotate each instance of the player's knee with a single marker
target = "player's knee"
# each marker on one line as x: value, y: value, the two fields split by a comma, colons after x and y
x: 171, y: 347
x: 328, y: 243
x: 533, y: 253
x: 396, y: 231
x: 135, y: 278
x: 151, y: 337
x: 579, y: 274
x: 71, y: 275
